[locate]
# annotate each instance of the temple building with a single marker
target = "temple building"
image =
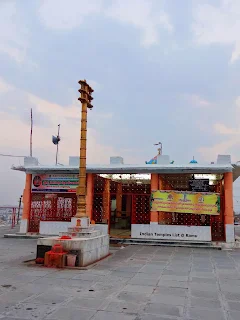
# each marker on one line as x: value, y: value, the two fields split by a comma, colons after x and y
x: 158, y: 200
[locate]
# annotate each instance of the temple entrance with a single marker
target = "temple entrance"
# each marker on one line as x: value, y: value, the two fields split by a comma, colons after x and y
x: 120, y: 201
x: 120, y: 224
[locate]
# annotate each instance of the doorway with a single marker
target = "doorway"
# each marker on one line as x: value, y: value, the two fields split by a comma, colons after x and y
x: 120, y: 222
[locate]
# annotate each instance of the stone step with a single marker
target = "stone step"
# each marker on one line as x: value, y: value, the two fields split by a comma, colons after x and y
x: 81, y: 229
x: 87, y: 234
x: 193, y: 244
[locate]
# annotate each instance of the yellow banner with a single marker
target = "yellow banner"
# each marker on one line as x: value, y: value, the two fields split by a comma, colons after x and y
x: 185, y: 202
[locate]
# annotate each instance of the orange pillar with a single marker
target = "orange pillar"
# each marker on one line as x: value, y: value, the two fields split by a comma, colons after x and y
x: 154, y: 186
x: 228, y: 210
x: 89, y: 198
x: 106, y: 201
x: 26, y: 204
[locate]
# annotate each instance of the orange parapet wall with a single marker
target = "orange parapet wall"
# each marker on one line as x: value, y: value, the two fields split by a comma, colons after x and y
x: 228, y: 194
x: 27, y: 197
x: 154, y: 186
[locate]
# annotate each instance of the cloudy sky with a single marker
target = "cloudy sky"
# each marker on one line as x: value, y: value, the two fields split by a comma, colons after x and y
x: 162, y: 70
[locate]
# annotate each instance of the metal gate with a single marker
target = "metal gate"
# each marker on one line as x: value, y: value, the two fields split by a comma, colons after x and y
x: 57, y: 207
x: 140, y: 209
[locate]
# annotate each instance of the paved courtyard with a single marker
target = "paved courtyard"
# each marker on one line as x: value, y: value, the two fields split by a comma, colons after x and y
x: 135, y: 283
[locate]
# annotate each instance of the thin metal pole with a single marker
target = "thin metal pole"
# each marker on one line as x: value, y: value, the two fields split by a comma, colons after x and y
x: 57, y: 144
x: 31, y: 130
x: 19, y: 208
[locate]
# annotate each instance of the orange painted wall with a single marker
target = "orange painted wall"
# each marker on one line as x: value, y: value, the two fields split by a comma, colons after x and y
x: 27, y: 197
x: 228, y: 194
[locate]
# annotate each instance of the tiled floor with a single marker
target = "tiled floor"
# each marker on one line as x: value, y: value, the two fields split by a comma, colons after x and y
x: 135, y: 283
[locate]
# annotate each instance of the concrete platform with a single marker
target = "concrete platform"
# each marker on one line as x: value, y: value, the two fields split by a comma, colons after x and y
x: 90, y: 249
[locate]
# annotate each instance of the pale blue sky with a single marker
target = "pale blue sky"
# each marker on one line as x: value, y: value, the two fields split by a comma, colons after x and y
x: 164, y: 71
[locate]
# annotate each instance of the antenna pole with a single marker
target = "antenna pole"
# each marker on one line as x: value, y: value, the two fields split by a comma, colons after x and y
x: 31, y: 130
x: 57, y: 144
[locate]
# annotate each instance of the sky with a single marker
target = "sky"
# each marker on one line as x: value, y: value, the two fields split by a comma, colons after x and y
x: 161, y: 70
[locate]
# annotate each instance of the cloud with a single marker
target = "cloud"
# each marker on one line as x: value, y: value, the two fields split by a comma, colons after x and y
x: 4, y: 87
x: 141, y: 15
x: 224, y: 147
x: 18, y: 135
x: 61, y: 15
x: 218, y: 25
x: 210, y: 153
x: 13, y: 34
x: 67, y: 15
x: 224, y: 130
x: 197, y: 100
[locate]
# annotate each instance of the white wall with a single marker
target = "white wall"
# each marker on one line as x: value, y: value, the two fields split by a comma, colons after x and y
x: 230, y: 233
x: 53, y: 227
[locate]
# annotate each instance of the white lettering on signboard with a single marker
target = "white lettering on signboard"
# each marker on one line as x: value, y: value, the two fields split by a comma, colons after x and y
x: 163, y: 235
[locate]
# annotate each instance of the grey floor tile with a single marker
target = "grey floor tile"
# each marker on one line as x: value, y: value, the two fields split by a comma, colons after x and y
x: 85, y: 303
x: 138, y: 280
x: 133, y: 297
x: 71, y: 314
x: 204, y: 287
x: 163, y: 309
x: 179, y: 292
x: 155, y: 317
x: 230, y: 288
x: 124, y: 306
x: 29, y: 311
x: 104, y: 315
x: 234, y: 305
x: 139, y: 289
x: 89, y: 277
x: 203, y: 280
x: 128, y: 269
x: 171, y: 272
x: 205, y: 294
x: 122, y: 274
x: 173, y: 284
x: 10, y: 318
x: 48, y: 299
x: 174, y: 278
x: 232, y: 296
x: 205, y: 303
x: 204, y: 314
x: 168, y: 299
x: 234, y: 315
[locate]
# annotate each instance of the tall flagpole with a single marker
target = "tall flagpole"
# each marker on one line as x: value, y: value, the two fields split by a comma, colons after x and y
x: 31, y: 131
x: 85, y: 98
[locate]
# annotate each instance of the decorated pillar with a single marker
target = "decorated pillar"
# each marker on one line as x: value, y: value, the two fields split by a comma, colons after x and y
x: 154, y: 187
x: 89, y: 199
x: 26, y: 204
x: 106, y: 202
x: 228, y: 210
